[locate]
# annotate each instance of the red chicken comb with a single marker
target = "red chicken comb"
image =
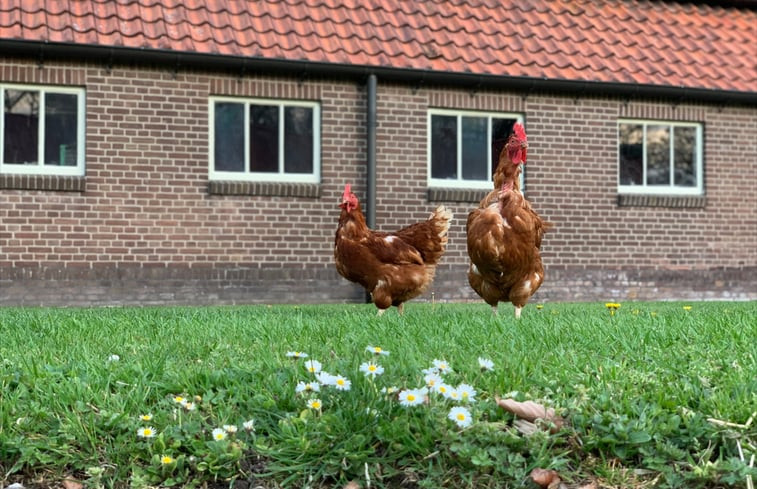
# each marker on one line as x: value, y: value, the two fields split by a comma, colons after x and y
x: 347, y: 191
x: 519, y: 131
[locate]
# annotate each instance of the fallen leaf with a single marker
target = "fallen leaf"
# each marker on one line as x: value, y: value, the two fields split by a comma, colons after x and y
x: 72, y: 484
x: 532, y: 411
x: 545, y: 478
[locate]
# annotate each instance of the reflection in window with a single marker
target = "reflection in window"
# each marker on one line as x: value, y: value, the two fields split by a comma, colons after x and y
x: 659, y: 157
x: 265, y: 140
x: 229, y: 140
x: 42, y: 130
x: 464, y: 147
x: 21, y: 126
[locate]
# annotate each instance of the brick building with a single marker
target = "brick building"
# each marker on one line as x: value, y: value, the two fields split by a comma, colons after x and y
x: 164, y: 152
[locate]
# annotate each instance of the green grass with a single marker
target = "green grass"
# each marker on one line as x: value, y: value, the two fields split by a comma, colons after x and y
x: 637, y: 389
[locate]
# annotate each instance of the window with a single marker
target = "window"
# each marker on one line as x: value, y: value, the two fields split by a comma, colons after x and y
x: 464, y: 147
x: 42, y: 130
x: 264, y: 140
x: 658, y: 157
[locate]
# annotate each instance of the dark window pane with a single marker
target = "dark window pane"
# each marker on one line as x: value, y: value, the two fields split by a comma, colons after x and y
x: 60, y: 129
x: 501, y: 130
x: 658, y: 155
x: 443, y: 146
x: 21, y: 133
x: 631, y: 140
x: 684, y: 149
x: 474, y: 148
x: 264, y: 138
x: 298, y: 140
x: 228, y: 151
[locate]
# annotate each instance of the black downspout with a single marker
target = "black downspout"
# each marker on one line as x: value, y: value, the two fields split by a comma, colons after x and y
x: 371, y: 155
x: 371, y: 169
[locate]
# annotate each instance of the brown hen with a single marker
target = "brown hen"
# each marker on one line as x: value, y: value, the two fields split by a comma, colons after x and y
x: 504, y: 235
x: 392, y: 267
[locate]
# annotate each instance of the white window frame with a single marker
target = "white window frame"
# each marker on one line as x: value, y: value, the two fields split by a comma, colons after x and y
x: 460, y: 182
x: 669, y: 189
x: 40, y: 168
x: 281, y: 175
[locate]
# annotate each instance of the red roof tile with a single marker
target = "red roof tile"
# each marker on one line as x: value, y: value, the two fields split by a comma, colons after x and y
x: 662, y: 43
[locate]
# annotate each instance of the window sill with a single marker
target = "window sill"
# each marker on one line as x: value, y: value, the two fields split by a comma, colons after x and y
x: 264, y: 189
x: 436, y: 194
x: 57, y: 183
x: 676, y: 201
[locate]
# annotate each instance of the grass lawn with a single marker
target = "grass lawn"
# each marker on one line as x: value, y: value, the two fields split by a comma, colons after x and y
x: 654, y: 395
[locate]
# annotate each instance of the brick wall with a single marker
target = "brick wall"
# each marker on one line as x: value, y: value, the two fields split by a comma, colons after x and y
x: 143, y: 227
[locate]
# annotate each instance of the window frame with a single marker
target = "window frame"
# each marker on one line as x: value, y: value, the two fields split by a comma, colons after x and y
x: 670, y: 188
x: 459, y: 114
x: 40, y: 168
x: 281, y: 176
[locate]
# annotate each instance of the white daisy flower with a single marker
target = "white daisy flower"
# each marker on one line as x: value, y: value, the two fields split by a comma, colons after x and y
x: 432, y: 380
x: 180, y: 400
x: 315, y: 404
x: 467, y: 392
x: 307, y: 387
x: 297, y: 354
x: 313, y: 366
x: 485, y: 364
x: 146, y: 417
x: 114, y: 358
x: 230, y: 428
x: 389, y: 390
x: 146, y: 432
x: 325, y: 378
x: 411, y: 397
x: 442, y: 366
x: 219, y: 434
x: 371, y: 369
x: 189, y: 406
x: 453, y: 394
x: 461, y: 416
x: 430, y: 371
x: 442, y: 388
x: 377, y: 350
x: 249, y: 425
x: 342, y: 383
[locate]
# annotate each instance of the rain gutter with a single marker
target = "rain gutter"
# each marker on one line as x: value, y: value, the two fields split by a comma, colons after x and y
x: 43, y: 51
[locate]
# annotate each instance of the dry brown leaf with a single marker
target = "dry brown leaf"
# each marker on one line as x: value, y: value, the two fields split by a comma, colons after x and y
x: 545, y: 478
x: 72, y: 484
x: 532, y: 411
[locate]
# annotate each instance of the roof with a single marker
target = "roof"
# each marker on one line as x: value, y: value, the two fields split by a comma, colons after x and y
x: 649, y: 43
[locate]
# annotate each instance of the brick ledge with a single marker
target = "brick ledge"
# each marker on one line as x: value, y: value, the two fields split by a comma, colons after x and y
x: 266, y: 189
x: 57, y: 183
x: 681, y: 201
x: 436, y: 194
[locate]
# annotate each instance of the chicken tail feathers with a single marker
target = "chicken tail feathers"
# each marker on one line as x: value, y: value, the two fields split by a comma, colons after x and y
x: 441, y: 218
x: 429, y: 237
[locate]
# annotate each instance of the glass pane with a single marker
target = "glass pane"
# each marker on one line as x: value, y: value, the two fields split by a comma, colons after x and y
x: 60, y: 129
x: 474, y: 148
x: 684, y: 149
x: 631, y: 148
x: 264, y: 138
x: 298, y: 140
x: 501, y: 129
x: 228, y: 151
x: 658, y: 155
x: 443, y: 146
x: 21, y: 123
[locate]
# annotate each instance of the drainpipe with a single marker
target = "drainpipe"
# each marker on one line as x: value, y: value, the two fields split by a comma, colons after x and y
x: 371, y: 143
x: 371, y: 150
